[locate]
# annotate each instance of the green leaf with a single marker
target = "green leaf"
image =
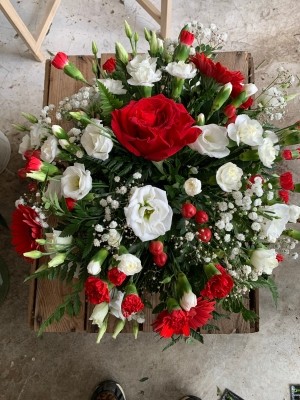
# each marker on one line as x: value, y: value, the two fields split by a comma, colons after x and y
x: 197, y: 336
x: 293, y: 233
x: 267, y: 283
x: 249, y: 155
x: 159, y: 308
x: 108, y: 101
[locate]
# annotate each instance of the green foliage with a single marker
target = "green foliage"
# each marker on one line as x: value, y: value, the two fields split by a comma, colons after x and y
x: 266, y: 282
x: 108, y: 102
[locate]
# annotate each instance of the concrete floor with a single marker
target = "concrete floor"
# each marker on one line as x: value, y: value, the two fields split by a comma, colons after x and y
x: 257, y: 366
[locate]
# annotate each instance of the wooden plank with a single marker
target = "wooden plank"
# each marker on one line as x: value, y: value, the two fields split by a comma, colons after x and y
x: 45, y: 295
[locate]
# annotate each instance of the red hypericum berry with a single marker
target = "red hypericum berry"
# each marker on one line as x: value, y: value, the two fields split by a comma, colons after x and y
x: 60, y: 60
x: 161, y: 259
x: 32, y: 187
x: 287, y: 155
x: 188, y: 210
x: 279, y: 257
x: 230, y: 111
x: 156, y: 247
x: 22, y: 173
x: 201, y: 217
x: 204, y: 235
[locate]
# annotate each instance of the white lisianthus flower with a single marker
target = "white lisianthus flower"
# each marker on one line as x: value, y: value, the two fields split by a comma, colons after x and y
x: 76, y: 182
x: 264, y: 261
x: 181, y: 70
x: 24, y: 145
x: 267, y: 151
x: 294, y: 213
x: 212, y: 141
x: 229, y: 176
x: 188, y: 300
x: 54, y: 187
x: 95, y: 142
x: 49, y: 149
x: 142, y: 70
x: 94, y: 267
x: 192, y: 186
x: 55, y: 242
x: 113, y: 86
x: 99, y: 313
x: 274, y: 228
x: 148, y: 213
x: 246, y: 130
x: 129, y: 264
x: 37, y: 133
x: 249, y: 88
x: 116, y: 298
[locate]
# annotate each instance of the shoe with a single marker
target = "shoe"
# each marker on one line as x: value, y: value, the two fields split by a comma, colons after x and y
x: 190, y: 398
x: 108, y: 390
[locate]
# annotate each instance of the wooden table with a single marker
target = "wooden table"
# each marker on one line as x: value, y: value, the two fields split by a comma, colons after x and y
x: 45, y: 295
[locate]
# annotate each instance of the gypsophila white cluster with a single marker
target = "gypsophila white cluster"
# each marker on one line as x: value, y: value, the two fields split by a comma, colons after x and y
x: 78, y: 101
x: 210, y: 35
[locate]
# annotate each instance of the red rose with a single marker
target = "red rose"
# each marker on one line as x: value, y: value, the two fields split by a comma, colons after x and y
x: 60, y: 60
x: 199, y: 315
x: 25, y: 228
x: 70, y: 203
x: 218, y: 72
x: 172, y: 323
x: 131, y: 304
x: 110, y: 65
x: 284, y: 195
x: 116, y: 276
x: 218, y: 286
x: 154, y: 128
x: 186, y: 37
x: 96, y: 290
x: 286, y: 181
x: 287, y: 155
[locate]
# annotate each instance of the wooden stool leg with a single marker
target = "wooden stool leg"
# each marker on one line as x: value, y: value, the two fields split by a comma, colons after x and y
x: 166, y: 13
x: 14, y: 18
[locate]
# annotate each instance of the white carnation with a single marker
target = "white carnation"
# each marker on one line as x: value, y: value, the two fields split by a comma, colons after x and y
x: 229, y: 177
x: 192, y: 186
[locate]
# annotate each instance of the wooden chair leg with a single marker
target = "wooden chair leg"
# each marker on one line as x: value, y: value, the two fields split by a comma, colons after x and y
x: 166, y: 14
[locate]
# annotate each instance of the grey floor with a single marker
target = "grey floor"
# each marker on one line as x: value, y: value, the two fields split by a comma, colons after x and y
x: 257, y: 366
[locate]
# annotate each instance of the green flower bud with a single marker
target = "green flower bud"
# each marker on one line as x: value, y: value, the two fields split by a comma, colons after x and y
x: 118, y: 328
x: 73, y: 72
x: 57, y: 260
x: 102, y: 330
x: 37, y: 176
x: 94, y: 48
x: 121, y: 53
x: 128, y: 30
x: 34, y: 254
x: 221, y: 98
x: 30, y: 117
x: 59, y: 132
x: 135, y: 329
x: 147, y: 35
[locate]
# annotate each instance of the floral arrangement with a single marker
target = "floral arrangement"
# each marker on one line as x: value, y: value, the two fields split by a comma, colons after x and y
x: 164, y: 182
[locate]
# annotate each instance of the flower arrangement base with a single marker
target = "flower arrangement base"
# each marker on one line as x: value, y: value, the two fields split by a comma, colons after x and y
x: 46, y: 295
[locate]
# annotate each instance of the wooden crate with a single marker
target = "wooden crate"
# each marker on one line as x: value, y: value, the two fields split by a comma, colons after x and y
x: 45, y: 295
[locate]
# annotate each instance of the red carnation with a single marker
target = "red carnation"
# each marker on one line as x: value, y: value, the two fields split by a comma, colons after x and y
x: 96, y: 290
x: 116, y: 276
x: 201, y: 314
x: 287, y: 155
x: 33, y: 164
x: 219, y: 285
x: 218, y: 72
x: 186, y: 37
x: 286, y: 181
x: 131, y: 304
x: 247, y: 104
x: 284, y: 195
x: 172, y: 323
x: 60, y: 60
x: 25, y: 228
x: 110, y: 65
